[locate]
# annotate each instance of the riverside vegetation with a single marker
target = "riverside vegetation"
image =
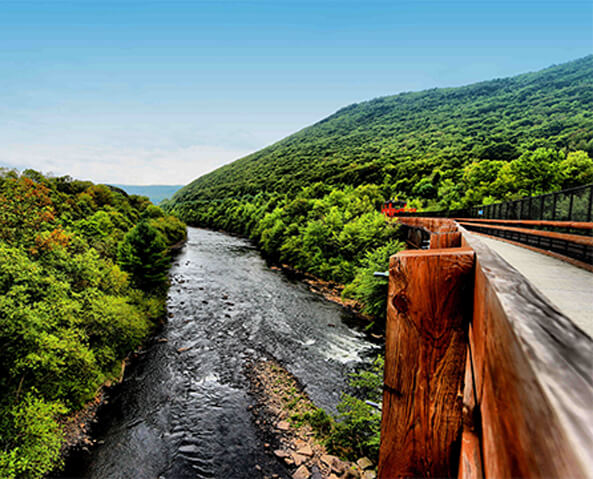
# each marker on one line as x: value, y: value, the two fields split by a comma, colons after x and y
x: 281, y: 401
x: 83, y: 281
x: 83, y: 266
x: 311, y: 200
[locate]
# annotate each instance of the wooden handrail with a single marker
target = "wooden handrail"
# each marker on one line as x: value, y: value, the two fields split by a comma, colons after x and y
x: 533, y: 372
x: 525, y: 377
x: 425, y: 350
x: 576, y: 225
x: 585, y: 240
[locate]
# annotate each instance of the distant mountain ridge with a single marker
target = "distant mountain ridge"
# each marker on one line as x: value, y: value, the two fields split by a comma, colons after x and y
x: 432, y: 135
x: 156, y: 193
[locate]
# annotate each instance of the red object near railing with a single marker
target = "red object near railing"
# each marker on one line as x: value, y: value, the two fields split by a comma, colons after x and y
x: 392, y: 208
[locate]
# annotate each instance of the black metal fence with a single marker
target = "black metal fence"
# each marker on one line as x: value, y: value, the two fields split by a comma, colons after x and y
x: 574, y: 204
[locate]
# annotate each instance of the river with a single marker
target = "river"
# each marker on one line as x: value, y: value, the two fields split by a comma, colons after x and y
x: 182, y: 409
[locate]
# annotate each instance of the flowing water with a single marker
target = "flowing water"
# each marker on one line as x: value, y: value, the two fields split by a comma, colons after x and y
x: 182, y: 409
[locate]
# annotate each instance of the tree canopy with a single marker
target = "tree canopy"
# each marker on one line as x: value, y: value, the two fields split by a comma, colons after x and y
x: 312, y: 199
x: 420, y: 144
x: 71, y: 308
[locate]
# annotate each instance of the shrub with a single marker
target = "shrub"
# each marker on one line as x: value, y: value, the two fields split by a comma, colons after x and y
x: 355, y: 431
x: 31, y: 438
x: 370, y: 291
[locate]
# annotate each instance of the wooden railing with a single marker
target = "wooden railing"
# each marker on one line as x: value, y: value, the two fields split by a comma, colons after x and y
x: 566, y: 240
x: 569, y: 241
x: 585, y: 227
x: 484, y: 378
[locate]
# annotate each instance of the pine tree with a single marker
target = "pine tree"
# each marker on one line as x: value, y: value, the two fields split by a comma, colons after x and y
x: 143, y: 254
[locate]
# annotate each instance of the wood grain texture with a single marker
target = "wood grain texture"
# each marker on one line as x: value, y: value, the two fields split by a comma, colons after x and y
x: 445, y: 240
x: 435, y: 225
x: 470, y: 461
x: 429, y: 295
x: 534, y: 377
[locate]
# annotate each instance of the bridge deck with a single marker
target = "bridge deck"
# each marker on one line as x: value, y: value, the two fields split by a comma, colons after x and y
x: 568, y: 287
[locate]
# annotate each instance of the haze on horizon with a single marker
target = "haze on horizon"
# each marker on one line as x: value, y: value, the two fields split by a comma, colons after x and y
x: 141, y: 93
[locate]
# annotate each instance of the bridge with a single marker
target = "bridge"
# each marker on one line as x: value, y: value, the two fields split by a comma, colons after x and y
x: 489, y: 356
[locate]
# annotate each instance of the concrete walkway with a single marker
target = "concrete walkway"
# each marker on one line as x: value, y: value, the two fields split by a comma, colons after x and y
x: 568, y: 287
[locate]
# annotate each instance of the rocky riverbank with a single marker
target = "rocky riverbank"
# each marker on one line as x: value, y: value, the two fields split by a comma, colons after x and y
x: 77, y: 426
x: 328, y: 289
x: 280, y: 401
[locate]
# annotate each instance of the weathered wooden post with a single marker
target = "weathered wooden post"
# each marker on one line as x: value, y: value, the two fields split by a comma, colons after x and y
x: 445, y: 240
x: 430, y: 298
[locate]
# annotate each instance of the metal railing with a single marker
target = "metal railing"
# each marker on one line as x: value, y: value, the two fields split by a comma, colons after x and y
x: 569, y: 209
x: 573, y: 204
x: 578, y: 251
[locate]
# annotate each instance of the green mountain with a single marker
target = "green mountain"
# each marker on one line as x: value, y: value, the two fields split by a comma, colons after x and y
x: 397, y: 141
x: 312, y: 199
x: 155, y: 193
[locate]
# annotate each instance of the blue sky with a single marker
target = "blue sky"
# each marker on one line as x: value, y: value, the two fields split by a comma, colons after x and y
x: 160, y: 92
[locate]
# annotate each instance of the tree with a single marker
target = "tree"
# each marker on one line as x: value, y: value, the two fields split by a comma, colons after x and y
x: 425, y: 189
x: 143, y: 253
x: 576, y: 169
x: 478, y: 179
x: 534, y: 172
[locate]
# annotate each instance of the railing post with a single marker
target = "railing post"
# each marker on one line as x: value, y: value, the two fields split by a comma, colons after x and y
x: 590, y: 205
x: 430, y: 298
x: 445, y: 240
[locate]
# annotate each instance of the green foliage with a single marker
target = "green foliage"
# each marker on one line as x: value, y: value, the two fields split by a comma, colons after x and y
x: 143, y: 253
x: 33, y: 436
x: 355, y: 431
x: 369, y: 382
x: 368, y: 290
x: 576, y: 169
x: 68, y: 312
x: 417, y: 145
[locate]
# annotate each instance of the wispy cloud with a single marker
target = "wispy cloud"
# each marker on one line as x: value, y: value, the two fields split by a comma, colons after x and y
x: 136, y: 166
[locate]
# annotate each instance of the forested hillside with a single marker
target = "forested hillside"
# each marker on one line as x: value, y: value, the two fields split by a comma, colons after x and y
x: 423, y: 145
x: 312, y: 199
x: 83, y: 279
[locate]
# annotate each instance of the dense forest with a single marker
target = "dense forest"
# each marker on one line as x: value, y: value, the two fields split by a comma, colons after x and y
x: 83, y: 281
x: 312, y: 199
x: 334, y: 234
x: 440, y: 146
